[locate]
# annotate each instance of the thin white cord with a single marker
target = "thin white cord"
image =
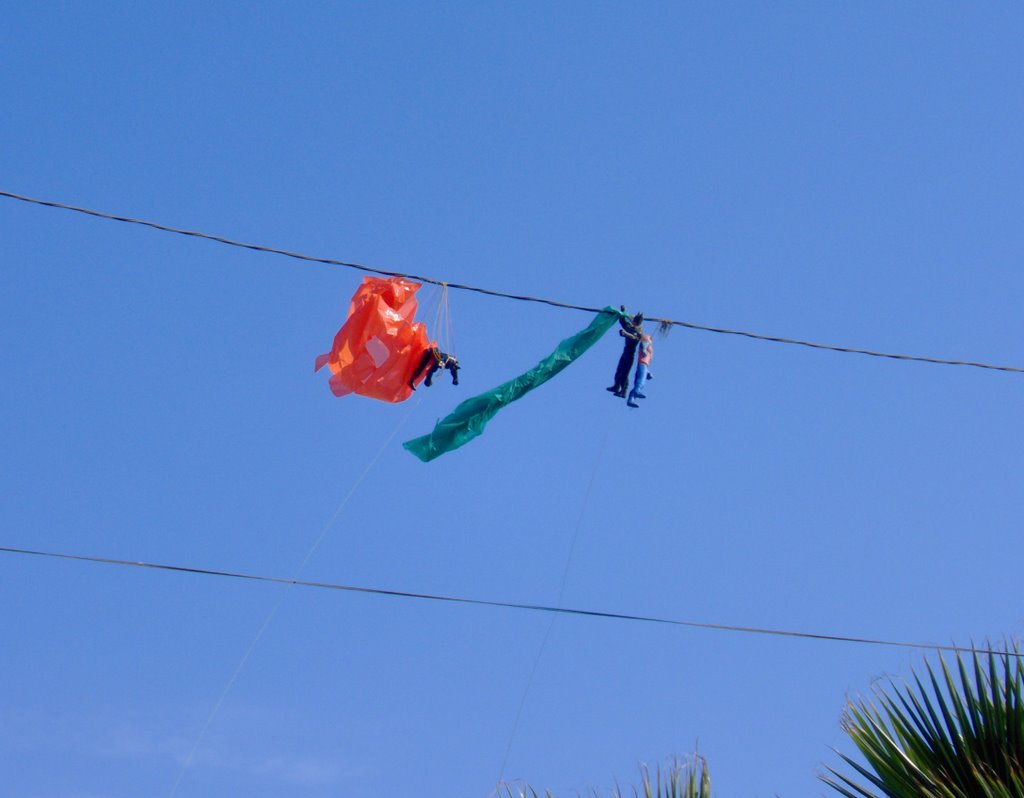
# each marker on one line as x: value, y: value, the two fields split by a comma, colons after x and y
x: 283, y: 595
x: 551, y: 625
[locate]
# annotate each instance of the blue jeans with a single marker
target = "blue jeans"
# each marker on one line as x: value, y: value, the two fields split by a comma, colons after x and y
x: 638, y: 381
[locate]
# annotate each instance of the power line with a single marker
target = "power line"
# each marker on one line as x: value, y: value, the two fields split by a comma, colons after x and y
x: 504, y: 295
x: 297, y: 255
x: 619, y: 616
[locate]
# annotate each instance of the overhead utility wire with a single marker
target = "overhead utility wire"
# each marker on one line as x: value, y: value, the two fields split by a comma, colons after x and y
x: 502, y: 294
x: 620, y: 616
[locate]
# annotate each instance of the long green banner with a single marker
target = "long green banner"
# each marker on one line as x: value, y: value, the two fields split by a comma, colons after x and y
x: 468, y: 420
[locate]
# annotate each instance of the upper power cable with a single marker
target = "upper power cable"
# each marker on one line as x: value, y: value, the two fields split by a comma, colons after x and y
x: 504, y: 295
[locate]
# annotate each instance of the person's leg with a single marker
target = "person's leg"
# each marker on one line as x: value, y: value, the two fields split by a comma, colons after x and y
x: 622, y: 374
x: 431, y: 370
x: 638, y: 383
x: 424, y: 362
x: 640, y: 380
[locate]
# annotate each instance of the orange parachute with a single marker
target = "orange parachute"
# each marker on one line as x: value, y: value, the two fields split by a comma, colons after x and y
x: 377, y: 350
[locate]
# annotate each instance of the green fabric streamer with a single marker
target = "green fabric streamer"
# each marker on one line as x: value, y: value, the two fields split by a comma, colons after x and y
x: 469, y: 418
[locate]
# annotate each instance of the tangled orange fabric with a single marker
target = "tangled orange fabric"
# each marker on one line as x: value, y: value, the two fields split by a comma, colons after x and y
x: 378, y: 348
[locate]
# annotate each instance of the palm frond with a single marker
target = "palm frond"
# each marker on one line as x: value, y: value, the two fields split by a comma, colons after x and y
x: 948, y: 733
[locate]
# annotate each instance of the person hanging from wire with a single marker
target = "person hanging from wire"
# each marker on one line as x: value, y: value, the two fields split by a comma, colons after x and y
x: 632, y: 330
x: 432, y: 361
x: 643, y: 370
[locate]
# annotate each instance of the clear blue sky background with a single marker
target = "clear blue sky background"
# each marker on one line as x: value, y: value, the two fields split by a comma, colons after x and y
x: 848, y: 173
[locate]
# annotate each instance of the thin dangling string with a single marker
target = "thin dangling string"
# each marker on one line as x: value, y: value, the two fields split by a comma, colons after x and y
x: 284, y: 593
x: 551, y: 625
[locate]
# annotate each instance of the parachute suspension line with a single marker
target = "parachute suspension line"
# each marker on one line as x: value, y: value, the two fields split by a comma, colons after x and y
x: 435, y: 299
x: 283, y: 594
x: 449, y: 328
x: 551, y: 625
x: 442, y: 330
x: 435, y: 310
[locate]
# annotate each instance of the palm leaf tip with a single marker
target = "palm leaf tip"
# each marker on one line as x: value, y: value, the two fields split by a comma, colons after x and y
x: 689, y: 778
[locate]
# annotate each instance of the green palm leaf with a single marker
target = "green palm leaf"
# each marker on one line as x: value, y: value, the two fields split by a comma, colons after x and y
x: 953, y: 733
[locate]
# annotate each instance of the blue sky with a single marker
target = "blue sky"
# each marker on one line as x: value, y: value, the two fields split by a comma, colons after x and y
x: 845, y: 173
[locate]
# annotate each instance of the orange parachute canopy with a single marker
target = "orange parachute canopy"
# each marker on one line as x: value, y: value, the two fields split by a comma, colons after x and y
x: 379, y: 347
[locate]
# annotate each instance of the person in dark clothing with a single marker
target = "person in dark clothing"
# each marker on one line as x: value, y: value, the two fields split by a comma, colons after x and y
x: 432, y: 360
x: 632, y: 330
